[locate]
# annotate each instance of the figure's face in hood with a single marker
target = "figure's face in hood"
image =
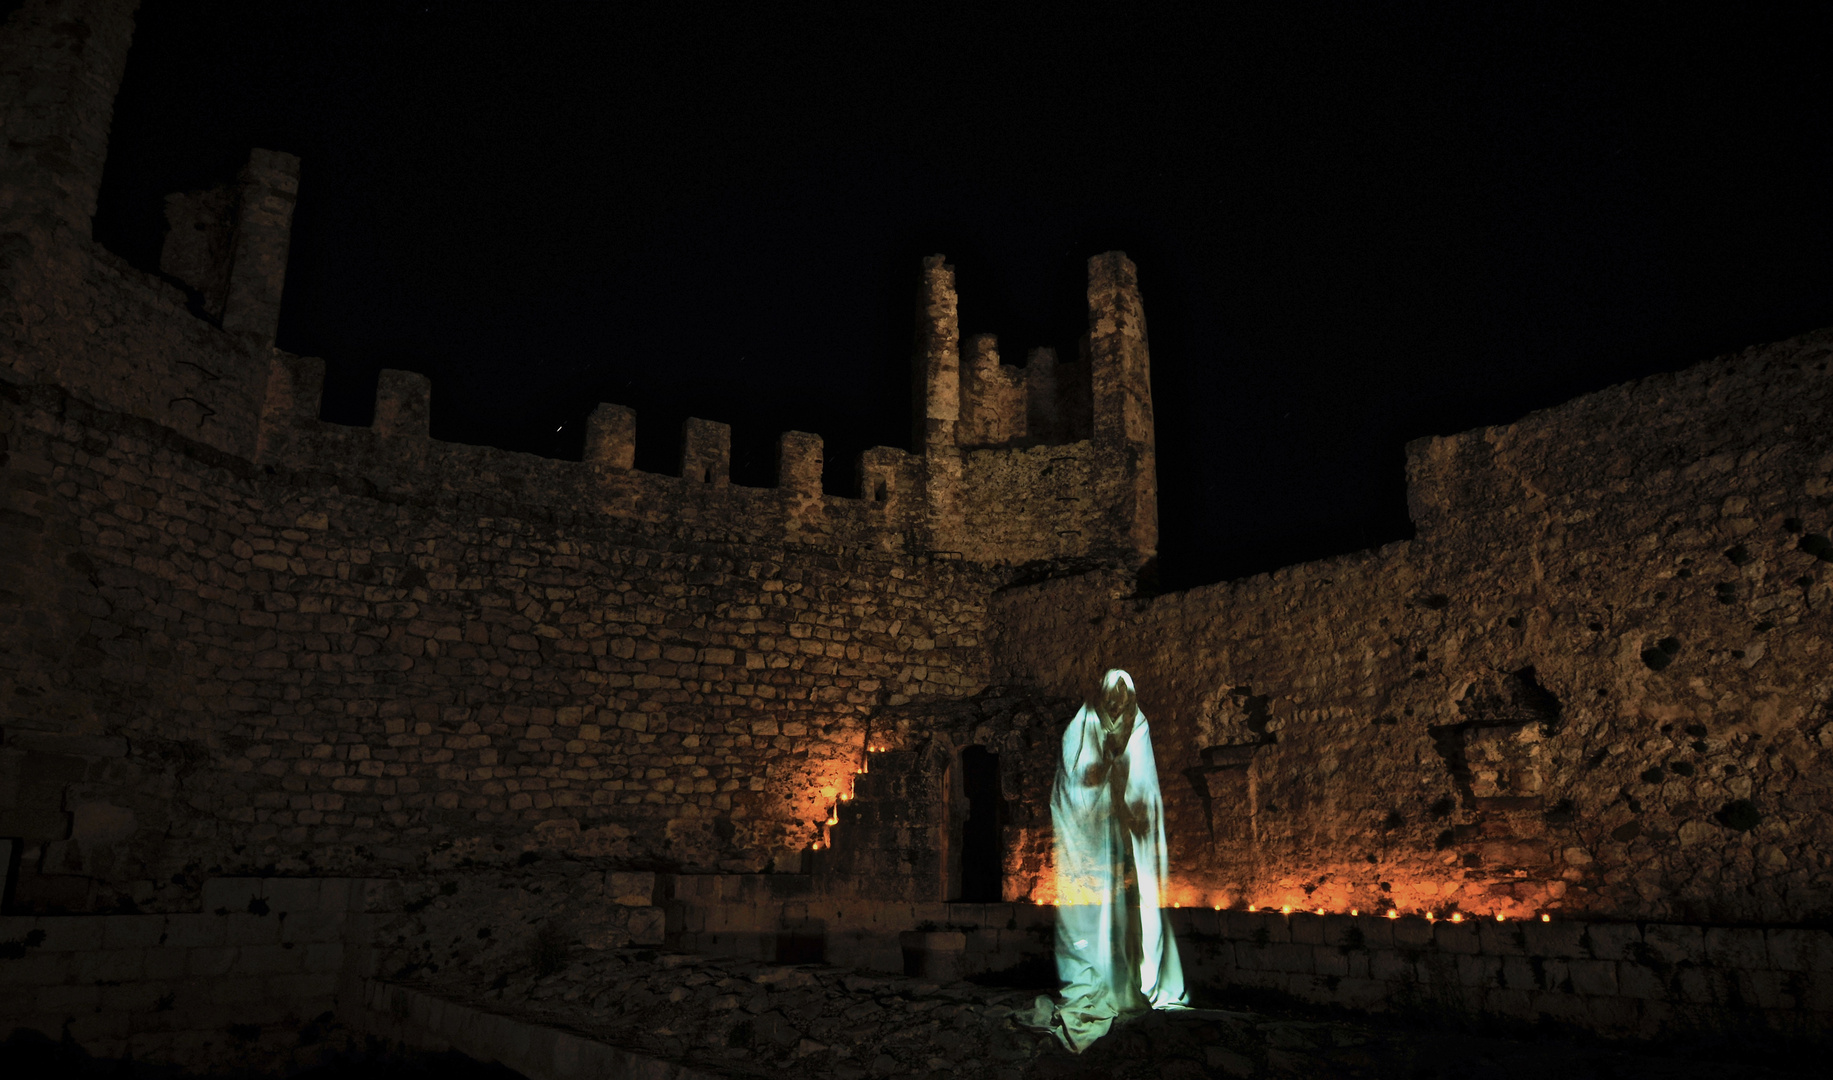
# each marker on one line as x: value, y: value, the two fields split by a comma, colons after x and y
x: 1118, y: 701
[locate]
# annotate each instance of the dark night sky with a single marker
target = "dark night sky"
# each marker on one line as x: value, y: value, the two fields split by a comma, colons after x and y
x: 1353, y: 227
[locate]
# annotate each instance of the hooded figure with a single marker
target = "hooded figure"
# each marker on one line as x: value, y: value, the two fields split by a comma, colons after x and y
x: 1115, y: 954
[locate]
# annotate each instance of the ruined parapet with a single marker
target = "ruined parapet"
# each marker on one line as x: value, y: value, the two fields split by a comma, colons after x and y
x: 706, y: 452
x: 60, y: 63
x: 1121, y: 387
x: 230, y: 243
x: 396, y: 453
x: 295, y: 389
x: 611, y: 437
x: 1051, y: 463
x: 74, y: 315
x: 936, y: 368
x: 404, y: 405
x: 995, y: 403
x: 798, y: 474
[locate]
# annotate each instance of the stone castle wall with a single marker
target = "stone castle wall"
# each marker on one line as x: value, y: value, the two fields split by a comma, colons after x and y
x: 237, y: 639
x: 1597, y: 680
x: 225, y: 665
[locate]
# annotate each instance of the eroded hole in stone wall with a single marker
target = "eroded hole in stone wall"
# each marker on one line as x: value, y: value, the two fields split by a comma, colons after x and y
x: 1494, y: 751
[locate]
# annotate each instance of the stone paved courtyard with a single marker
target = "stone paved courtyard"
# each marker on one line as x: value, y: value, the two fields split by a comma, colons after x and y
x: 722, y: 1016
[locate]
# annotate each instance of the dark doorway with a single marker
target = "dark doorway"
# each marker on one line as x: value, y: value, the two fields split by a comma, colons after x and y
x: 981, y: 854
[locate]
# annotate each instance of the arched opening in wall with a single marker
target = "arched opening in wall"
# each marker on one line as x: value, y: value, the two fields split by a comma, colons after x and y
x: 982, y: 854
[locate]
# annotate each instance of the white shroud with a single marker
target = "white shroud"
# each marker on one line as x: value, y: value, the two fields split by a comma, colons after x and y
x: 1115, y: 953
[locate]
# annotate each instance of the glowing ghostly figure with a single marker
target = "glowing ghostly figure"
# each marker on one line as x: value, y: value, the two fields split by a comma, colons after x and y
x: 1115, y: 954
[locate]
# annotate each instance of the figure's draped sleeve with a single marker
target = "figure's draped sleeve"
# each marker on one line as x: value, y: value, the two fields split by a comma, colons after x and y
x: 1161, y: 974
x: 1085, y: 851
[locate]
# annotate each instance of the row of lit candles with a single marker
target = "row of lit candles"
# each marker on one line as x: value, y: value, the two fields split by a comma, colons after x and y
x: 833, y: 814
x: 1392, y: 913
x: 833, y: 818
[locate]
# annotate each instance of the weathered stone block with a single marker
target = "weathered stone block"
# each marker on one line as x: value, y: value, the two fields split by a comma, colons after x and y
x: 403, y: 405
x: 1518, y: 973
x: 37, y: 968
x: 1611, y: 941
x: 211, y: 961
x: 114, y: 965
x: 1289, y: 957
x: 229, y: 893
x: 1501, y: 938
x: 193, y: 931
x: 312, y: 927
x: 292, y: 895
x: 1305, y: 928
x: 1800, y: 950
x: 1270, y: 927
x: 633, y: 888
x: 1329, y: 960
x: 611, y: 437
x: 1594, y: 977
x: 246, y: 929
x: 73, y: 933
x: 1456, y: 937
x: 1736, y: 947
x: 647, y: 926
x: 132, y: 931
x: 1377, y: 932
x: 1560, y: 939
x: 1478, y: 970
x: 1636, y: 981
x: 706, y: 452
x: 1412, y: 934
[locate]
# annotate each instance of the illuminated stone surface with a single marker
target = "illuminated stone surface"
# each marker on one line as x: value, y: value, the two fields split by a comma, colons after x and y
x: 237, y: 641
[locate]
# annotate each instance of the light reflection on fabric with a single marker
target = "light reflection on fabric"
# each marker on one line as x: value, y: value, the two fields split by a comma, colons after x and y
x: 1115, y: 953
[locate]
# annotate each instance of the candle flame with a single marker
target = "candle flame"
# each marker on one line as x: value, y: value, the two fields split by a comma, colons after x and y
x: 1392, y: 914
x: 1500, y: 916
x: 1457, y: 916
x: 1285, y: 909
x: 1320, y: 911
x: 1355, y: 911
x: 1546, y: 918
x: 1431, y: 916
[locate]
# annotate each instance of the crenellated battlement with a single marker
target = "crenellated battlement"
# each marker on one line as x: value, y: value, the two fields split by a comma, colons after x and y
x: 1016, y: 477
x: 1049, y: 463
x: 396, y: 453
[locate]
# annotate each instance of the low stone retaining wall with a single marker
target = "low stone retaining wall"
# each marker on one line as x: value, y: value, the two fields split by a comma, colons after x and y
x: 1619, y: 979
x: 248, y: 982
x: 778, y: 918
x: 1616, y: 979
